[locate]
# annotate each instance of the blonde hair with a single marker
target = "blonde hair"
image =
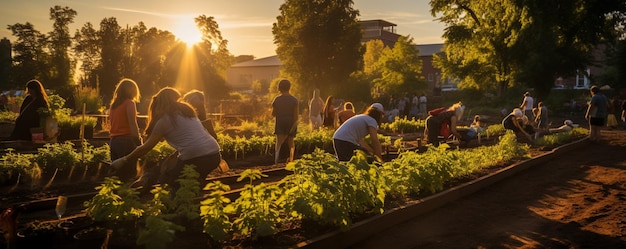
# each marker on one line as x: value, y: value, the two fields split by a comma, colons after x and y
x: 165, y: 102
x: 125, y: 89
x: 458, y: 109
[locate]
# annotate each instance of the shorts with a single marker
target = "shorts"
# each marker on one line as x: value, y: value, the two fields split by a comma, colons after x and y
x: 283, y: 127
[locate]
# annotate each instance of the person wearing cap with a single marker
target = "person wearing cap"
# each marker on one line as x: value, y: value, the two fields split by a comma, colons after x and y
x: 350, y: 136
x: 285, y: 109
x: 515, y: 121
x: 527, y: 105
x: 449, y: 118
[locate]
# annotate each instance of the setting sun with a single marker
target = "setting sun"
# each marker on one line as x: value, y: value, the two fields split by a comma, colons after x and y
x: 187, y: 32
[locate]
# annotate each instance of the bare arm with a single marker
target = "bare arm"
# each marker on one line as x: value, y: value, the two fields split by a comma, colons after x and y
x: 376, y: 148
x: 152, y: 141
x: 131, y: 116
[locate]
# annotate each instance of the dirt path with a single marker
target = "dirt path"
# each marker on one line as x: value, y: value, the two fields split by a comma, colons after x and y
x: 575, y: 201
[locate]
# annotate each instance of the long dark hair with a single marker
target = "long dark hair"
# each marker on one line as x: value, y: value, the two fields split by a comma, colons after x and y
x: 35, y: 89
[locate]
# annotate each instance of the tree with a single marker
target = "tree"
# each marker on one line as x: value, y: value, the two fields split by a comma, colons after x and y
x: 60, y: 43
x: 213, y: 57
x: 400, y: 69
x: 112, y: 53
x: 30, y: 58
x: 520, y: 42
x: 479, y: 39
x: 151, y: 47
x: 318, y: 42
x: 87, y: 50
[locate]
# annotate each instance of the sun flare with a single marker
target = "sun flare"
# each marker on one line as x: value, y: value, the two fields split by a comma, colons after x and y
x: 187, y: 32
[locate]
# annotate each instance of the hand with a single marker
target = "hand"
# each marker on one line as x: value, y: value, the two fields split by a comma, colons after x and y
x: 119, y: 163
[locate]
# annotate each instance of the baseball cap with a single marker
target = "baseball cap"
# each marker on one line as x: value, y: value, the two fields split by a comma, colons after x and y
x: 378, y: 106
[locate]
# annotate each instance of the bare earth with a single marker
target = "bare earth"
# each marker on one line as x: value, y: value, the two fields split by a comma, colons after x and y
x: 577, y: 200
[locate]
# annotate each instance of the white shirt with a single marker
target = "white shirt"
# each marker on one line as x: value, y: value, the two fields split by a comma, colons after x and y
x: 355, y: 128
x: 189, y: 137
x: 529, y: 103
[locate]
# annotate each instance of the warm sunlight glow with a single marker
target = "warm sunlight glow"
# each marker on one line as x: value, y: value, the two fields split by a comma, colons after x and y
x: 187, y: 32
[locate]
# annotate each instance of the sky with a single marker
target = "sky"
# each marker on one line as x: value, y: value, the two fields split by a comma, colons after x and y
x: 246, y: 24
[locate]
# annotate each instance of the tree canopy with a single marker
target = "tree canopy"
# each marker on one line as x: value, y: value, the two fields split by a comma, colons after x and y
x: 498, y: 44
x: 318, y: 43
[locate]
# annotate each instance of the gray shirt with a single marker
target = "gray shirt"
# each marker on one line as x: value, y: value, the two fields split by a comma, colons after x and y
x: 355, y: 128
x: 188, y: 137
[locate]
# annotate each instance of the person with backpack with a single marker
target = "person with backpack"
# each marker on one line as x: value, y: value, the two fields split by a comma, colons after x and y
x: 441, y: 122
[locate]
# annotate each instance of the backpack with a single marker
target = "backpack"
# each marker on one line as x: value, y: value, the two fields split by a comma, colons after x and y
x: 435, y: 112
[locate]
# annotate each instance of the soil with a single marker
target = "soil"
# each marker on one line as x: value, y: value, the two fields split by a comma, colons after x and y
x: 574, y: 201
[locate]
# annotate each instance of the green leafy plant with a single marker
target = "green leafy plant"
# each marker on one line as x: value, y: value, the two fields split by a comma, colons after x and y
x: 216, y: 222
x: 114, y: 202
x: 256, y: 210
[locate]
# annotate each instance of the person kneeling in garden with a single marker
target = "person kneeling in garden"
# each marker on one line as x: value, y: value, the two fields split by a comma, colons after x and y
x: 518, y: 123
x: 178, y: 124
x: 442, y: 122
x: 350, y: 136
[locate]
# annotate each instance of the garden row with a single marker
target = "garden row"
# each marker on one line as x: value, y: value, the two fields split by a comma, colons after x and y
x: 321, y: 192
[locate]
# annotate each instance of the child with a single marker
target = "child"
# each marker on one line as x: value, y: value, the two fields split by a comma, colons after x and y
x: 475, y: 128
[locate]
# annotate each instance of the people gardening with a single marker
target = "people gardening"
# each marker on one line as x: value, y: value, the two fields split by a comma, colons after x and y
x: 350, y: 136
x: 176, y: 122
x: 518, y: 123
x: 443, y: 122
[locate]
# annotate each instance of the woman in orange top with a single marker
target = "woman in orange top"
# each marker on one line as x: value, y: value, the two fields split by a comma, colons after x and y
x: 124, y: 130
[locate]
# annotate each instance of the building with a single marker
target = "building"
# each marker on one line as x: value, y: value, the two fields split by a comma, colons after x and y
x: 241, y: 75
x: 432, y: 74
x: 379, y: 30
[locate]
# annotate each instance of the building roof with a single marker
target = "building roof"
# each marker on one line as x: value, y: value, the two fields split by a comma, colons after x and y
x: 273, y: 61
x: 378, y: 21
x: 270, y: 61
x: 430, y: 49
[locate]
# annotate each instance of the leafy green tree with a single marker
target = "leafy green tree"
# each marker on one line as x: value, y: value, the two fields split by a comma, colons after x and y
x: 479, y: 38
x: 151, y: 46
x: 30, y: 58
x: 111, y: 53
x: 400, y: 69
x: 213, y: 57
x: 318, y: 42
x: 87, y: 48
x: 60, y: 42
x: 505, y: 43
x: 374, y: 49
x: 560, y: 44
